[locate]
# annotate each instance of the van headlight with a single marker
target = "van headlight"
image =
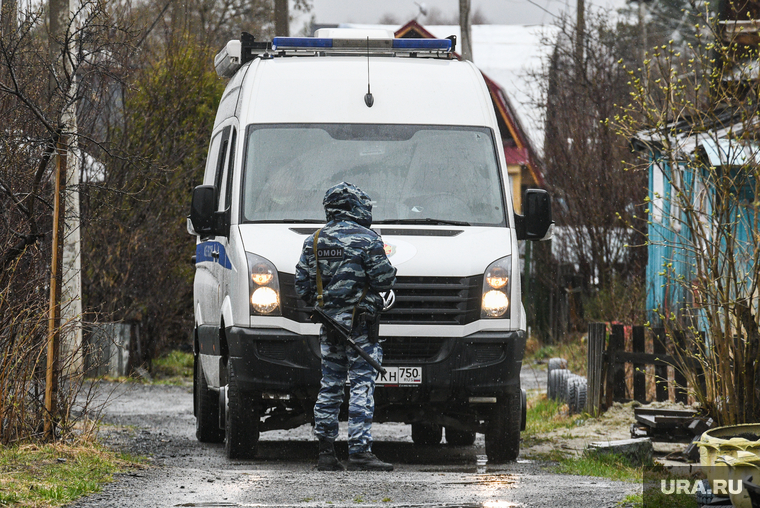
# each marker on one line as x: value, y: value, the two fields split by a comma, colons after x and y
x: 496, y: 289
x: 264, y: 286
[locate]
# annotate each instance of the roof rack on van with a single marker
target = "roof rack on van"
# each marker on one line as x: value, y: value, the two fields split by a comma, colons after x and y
x: 327, y: 41
x: 360, y: 46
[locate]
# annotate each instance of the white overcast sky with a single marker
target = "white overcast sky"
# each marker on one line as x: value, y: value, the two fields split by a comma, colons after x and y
x: 504, y: 12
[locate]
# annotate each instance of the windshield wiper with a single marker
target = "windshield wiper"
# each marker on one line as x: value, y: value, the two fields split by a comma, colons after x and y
x: 287, y: 221
x: 426, y: 220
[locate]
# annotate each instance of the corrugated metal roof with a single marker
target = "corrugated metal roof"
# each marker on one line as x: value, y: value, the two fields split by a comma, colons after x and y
x: 713, y: 136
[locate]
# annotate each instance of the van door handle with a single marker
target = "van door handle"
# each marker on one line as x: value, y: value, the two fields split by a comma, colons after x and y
x: 215, y: 254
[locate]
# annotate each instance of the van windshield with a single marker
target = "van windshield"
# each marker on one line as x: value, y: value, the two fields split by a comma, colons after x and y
x: 413, y: 174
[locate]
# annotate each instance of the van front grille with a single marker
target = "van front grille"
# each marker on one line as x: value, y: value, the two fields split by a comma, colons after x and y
x: 419, y: 301
x: 435, y: 301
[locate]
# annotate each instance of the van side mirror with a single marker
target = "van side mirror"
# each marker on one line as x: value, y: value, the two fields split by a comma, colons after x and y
x: 205, y: 219
x: 536, y: 222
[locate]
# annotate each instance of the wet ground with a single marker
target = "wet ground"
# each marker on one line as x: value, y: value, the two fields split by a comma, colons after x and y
x: 158, y: 422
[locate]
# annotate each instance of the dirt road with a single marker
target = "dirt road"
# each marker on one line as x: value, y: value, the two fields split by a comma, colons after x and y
x: 158, y: 422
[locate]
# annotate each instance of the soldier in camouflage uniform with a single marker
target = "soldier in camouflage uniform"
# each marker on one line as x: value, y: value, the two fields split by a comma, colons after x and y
x: 353, y: 269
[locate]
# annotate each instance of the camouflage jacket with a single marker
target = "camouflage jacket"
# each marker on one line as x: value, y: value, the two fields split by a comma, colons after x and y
x: 350, y: 257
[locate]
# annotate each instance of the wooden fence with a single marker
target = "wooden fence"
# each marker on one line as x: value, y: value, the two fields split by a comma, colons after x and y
x: 617, y: 366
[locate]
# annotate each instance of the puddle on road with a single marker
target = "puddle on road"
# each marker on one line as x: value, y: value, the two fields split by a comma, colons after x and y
x: 487, y: 480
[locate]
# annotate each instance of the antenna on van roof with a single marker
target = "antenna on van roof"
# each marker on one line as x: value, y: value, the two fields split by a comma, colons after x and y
x: 368, y: 99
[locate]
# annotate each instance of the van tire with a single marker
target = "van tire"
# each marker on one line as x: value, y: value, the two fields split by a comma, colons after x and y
x: 426, y: 434
x: 206, y: 405
x: 456, y: 437
x: 242, y: 421
x: 503, y: 432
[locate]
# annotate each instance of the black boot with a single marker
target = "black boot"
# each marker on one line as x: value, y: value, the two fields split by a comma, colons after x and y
x: 327, y: 460
x: 367, y: 462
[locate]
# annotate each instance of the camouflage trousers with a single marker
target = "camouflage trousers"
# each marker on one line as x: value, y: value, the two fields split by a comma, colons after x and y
x: 338, y: 362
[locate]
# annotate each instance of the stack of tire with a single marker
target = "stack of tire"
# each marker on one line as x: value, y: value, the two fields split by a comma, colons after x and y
x: 563, y: 385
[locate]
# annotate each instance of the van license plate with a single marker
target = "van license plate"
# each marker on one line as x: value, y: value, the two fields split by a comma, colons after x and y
x: 400, y: 376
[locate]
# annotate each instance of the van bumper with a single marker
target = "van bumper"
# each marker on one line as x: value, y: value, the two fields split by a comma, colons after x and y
x: 479, y: 365
x: 275, y: 361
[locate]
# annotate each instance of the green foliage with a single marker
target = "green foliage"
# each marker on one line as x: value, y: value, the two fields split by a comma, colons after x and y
x: 704, y: 221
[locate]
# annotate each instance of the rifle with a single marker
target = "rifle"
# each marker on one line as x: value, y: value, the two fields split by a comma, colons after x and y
x: 322, y: 317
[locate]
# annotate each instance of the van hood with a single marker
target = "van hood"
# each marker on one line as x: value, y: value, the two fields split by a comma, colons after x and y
x: 417, y: 251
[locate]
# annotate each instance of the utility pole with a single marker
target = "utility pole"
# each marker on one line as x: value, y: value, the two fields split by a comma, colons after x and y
x: 65, y: 269
x: 281, y: 18
x: 580, y: 30
x: 465, y: 29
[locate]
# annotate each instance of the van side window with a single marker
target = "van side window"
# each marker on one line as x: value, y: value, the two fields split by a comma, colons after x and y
x: 230, y: 171
x: 221, y: 159
x: 211, y: 160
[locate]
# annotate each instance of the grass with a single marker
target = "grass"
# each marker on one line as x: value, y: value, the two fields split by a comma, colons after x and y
x: 175, y: 367
x: 544, y: 415
x: 54, y: 475
x: 605, y: 466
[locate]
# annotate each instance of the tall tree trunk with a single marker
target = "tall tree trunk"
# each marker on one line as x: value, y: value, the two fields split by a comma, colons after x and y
x: 9, y: 17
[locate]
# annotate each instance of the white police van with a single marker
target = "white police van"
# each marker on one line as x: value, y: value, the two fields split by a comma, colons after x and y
x: 415, y: 129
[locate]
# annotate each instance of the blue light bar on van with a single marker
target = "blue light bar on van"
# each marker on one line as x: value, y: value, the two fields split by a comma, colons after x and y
x: 417, y: 44
x: 300, y: 42
x: 360, y: 45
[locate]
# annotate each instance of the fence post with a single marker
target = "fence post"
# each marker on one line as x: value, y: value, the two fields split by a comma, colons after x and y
x: 639, y: 369
x: 660, y: 371
x: 617, y: 343
x: 596, y: 337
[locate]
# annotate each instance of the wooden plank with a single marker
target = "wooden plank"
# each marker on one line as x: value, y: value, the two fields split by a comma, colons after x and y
x: 647, y: 420
x: 617, y: 344
x: 664, y: 422
x: 660, y: 371
x: 596, y: 337
x: 664, y: 412
x: 639, y: 373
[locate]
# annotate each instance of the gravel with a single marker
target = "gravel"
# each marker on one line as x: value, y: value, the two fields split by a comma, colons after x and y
x: 157, y: 422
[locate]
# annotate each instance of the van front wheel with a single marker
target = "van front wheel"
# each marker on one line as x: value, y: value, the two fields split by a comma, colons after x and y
x: 206, y: 404
x: 503, y: 432
x: 242, y: 421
